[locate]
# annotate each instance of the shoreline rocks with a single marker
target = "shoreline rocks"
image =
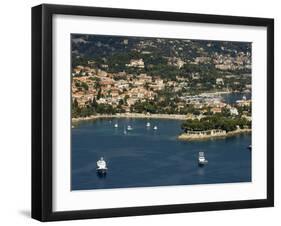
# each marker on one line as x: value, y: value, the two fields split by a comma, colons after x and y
x: 209, y: 135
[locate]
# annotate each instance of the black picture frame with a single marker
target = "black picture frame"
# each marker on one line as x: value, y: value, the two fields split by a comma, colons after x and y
x: 42, y: 107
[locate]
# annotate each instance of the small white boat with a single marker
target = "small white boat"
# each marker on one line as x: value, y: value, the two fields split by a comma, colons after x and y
x: 116, y: 125
x: 129, y: 127
x: 244, y: 97
x: 155, y: 128
x: 148, y: 124
x: 101, y: 166
x: 250, y: 147
x: 201, y: 159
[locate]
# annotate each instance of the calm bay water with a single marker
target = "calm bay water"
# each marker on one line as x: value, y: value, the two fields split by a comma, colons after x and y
x: 231, y: 98
x: 144, y: 157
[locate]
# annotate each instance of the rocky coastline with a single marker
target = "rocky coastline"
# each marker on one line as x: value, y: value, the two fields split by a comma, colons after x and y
x: 209, y: 135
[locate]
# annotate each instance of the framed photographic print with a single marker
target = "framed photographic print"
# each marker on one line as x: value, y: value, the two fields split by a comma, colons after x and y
x: 145, y: 112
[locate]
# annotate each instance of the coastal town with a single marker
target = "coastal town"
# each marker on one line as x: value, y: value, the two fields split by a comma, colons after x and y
x: 140, y: 80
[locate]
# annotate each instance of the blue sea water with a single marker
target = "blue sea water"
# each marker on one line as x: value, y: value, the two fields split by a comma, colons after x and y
x: 144, y: 157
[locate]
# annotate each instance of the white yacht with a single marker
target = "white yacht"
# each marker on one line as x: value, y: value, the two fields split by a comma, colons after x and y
x: 129, y: 127
x: 148, y: 124
x: 101, y: 166
x: 201, y: 159
x: 155, y: 127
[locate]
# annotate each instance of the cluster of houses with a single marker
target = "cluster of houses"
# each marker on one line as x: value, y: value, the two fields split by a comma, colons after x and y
x: 214, y: 105
x: 226, y: 62
x: 125, y: 90
x: 139, y: 63
x: 222, y: 62
x: 113, y: 89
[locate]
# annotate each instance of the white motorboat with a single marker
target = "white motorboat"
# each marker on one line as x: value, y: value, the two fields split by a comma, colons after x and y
x: 148, y: 124
x: 129, y: 127
x: 116, y: 125
x: 101, y: 166
x: 155, y: 128
x: 201, y: 159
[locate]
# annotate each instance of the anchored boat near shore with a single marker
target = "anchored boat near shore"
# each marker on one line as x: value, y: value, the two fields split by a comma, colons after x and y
x: 201, y: 159
x: 101, y: 166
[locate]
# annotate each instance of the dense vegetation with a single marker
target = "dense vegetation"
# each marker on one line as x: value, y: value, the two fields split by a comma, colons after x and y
x: 216, y: 121
x: 102, y: 46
